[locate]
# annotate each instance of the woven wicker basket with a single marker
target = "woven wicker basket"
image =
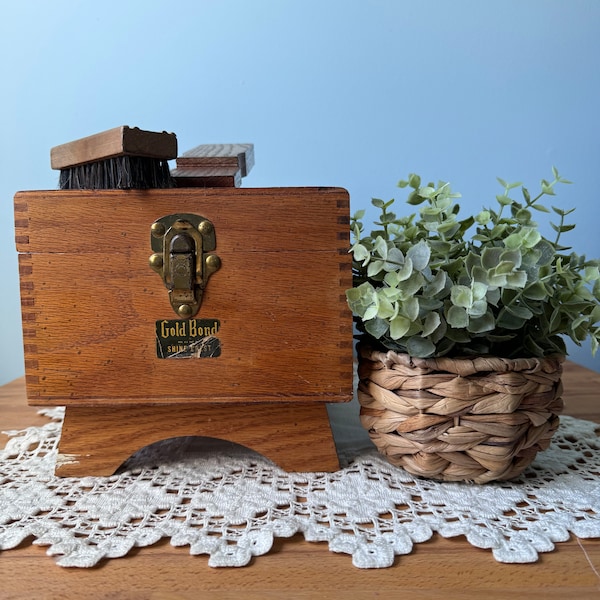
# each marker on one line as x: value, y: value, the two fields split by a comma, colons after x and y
x: 482, y: 419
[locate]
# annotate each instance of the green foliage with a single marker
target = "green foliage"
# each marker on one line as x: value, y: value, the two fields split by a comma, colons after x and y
x: 434, y: 284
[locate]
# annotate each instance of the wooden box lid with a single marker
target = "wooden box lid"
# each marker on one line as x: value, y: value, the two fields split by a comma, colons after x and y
x: 92, y: 306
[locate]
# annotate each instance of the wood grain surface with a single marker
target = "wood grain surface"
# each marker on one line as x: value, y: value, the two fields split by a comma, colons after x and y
x: 440, y: 569
x: 97, y: 440
x: 91, y: 302
x: 119, y: 141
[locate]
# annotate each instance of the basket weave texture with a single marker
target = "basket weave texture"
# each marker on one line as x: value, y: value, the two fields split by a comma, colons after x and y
x: 466, y: 419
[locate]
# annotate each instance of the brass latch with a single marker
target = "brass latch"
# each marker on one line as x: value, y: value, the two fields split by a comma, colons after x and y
x: 181, y: 245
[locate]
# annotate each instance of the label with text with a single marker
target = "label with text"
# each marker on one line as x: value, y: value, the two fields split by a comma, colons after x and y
x: 189, y: 338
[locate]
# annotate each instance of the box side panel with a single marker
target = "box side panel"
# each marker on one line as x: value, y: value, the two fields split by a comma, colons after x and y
x: 29, y: 319
x: 90, y: 315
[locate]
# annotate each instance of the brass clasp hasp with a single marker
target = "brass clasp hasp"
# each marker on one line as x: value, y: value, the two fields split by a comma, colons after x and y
x: 183, y: 246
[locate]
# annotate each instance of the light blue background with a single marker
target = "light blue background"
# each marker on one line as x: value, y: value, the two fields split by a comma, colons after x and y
x: 344, y: 93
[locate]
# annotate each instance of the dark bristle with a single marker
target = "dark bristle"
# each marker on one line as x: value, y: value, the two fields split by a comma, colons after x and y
x: 120, y: 173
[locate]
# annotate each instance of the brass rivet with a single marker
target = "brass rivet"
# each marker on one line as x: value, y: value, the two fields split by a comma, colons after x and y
x: 158, y: 230
x: 185, y: 311
x: 213, y: 262
x: 156, y: 261
x: 205, y: 227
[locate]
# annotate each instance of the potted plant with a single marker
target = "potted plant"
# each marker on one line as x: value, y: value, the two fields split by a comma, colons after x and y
x: 461, y: 324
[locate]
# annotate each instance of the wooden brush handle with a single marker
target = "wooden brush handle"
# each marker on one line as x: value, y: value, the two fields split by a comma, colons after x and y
x: 214, y: 165
x: 119, y: 141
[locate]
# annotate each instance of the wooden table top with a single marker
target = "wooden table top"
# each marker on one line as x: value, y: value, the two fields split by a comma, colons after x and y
x: 439, y: 568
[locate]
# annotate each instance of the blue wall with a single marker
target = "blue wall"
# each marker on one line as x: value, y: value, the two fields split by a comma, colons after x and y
x: 331, y: 92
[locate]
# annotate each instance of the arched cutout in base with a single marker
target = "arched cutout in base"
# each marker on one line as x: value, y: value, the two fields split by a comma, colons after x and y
x: 97, y: 440
x: 189, y: 449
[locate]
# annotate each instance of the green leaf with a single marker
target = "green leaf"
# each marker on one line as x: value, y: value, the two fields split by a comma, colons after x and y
x: 519, y: 311
x: 523, y: 215
x: 547, y: 252
x: 490, y: 257
x: 375, y: 267
x: 485, y: 322
x: 457, y: 317
x: 414, y: 198
x: 504, y: 268
x: 376, y: 327
x: 391, y: 278
x: 420, y: 347
x: 380, y: 247
x: 493, y: 296
x: 410, y: 309
x: 494, y: 280
x: 386, y: 309
x: 477, y: 309
x: 353, y: 294
x: 361, y: 298
x: 414, y: 181
x: 480, y: 237
x: 480, y: 275
x: 516, y: 280
x: 428, y: 305
x: 530, y: 344
x: 507, y: 320
x: 377, y: 202
x: 399, y: 327
x: 360, y: 253
x: 595, y: 344
x: 479, y: 290
x: 591, y: 274
x: 426, y: 191
x: 395, y: 255
x: 449, y: 228
x: 513, y: 256
x: 565, y: 228
x: 483, y: 217
x: 406, y: 271
x: 419, y: 254
x: 440, y: 247
x: 432, y: 322
x: 461, y: 295
x: 458, y: 335
x: 540, y: 208
x: 430, y: 213
x: 390, y: 293
x: 531, y: 236
x: 436, y: 285
x: 412, y: 285
x: 498, y: 231
x: 535, y: 291
x: 371, y: 312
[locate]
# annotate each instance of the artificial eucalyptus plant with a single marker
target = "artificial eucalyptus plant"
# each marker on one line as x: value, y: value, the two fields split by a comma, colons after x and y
x: 435, y: 284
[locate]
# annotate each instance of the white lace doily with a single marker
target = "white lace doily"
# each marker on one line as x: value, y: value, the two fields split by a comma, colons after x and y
x: 228, y: 502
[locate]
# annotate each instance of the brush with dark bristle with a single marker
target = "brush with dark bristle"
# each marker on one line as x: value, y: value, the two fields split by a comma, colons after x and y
x: 120, y: 158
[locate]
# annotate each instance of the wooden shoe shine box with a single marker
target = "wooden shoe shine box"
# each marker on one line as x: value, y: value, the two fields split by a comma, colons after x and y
x: 109, y: 279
